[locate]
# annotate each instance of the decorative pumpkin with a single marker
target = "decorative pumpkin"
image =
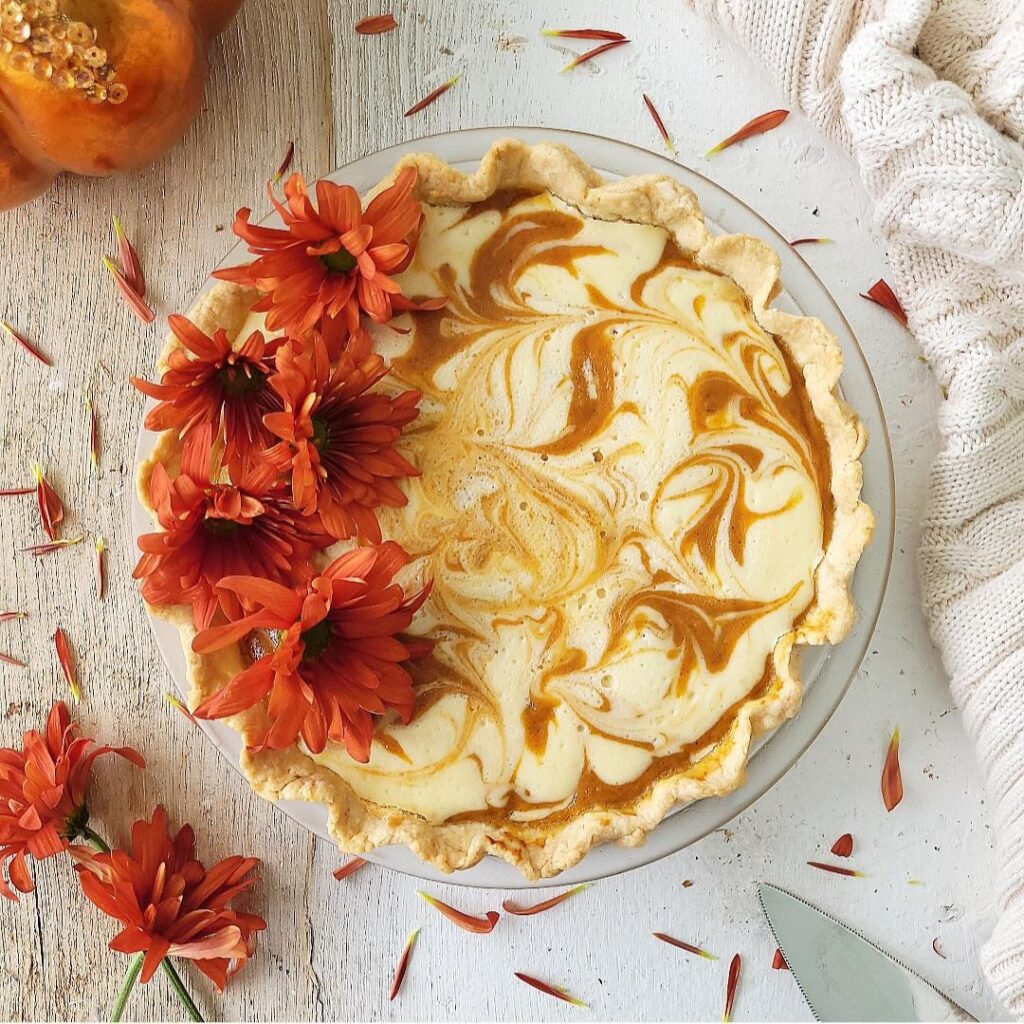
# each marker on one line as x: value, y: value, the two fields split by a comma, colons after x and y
x: 97, y: 86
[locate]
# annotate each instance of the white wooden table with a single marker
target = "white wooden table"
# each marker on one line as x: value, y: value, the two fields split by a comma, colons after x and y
x: 297, y: 70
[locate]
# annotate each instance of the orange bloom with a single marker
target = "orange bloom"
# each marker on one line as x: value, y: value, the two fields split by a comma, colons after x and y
x: 332, y: 260
x: 169, y: 903
x: 339, y: 658
x: 43, y: 788
x: 208, y: 382
x: 212, y: 530
x: 337, y: 435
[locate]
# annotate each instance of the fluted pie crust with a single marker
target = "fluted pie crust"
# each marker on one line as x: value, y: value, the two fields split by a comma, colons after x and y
x: 544, y: 849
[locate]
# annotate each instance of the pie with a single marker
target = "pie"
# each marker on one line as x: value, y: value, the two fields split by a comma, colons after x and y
x: 637, y: 497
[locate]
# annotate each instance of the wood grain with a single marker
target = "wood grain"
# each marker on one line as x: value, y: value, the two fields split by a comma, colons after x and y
x: 297, y: 70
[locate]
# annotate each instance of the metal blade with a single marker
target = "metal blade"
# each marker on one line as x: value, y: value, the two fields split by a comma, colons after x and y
x: 842, y: 975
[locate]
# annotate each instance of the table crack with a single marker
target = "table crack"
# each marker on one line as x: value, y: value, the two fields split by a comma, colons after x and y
x: 314, y: 977
x: 39, y: 935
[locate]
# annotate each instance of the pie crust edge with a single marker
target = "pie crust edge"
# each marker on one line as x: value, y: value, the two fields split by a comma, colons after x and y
x: 360, y: 826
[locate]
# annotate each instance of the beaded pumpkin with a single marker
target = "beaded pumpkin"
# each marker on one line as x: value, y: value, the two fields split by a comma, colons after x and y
x: 97, y: 86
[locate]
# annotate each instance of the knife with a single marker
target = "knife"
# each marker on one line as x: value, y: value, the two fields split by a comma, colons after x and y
x: 841, y: 974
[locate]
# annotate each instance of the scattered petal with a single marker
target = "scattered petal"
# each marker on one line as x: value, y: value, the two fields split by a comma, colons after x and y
x: 679, y: 944
x: 659, y: 124
x: 7, y: 659
x: 349, y: 868
x: 180, y: 705
x: 882, y: 295
x: 130, y: 265
x: 687, y: 882
x: 843, y: 846
x: 914, y: 881
x: 549, y: 990
x: 756, y: 126
x: 892, y: 780
x: 511, y: 907
x: 24, y: 343
x: 51, y: 509
x: 282, y: 170
x: 583, y: 33
x: 730, y: 989
x: 430, y: 97
x: 53, y: 545
x: 94, y: 435
x: 10, y: 492
x: 101, y: 570
x: 67, y: 665
x: 779, y: 961
x: 937, y: 948
x: 479, y: 925
x: 7, y: 616
x: 836, y: 869
x: 375, y: 25
x: 135, y: 301
x: 591, y: 54
x: 403, y: 963
x: 810, y: 241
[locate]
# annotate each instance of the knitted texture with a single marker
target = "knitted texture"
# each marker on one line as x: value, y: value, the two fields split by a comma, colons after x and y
x: 929, y: 97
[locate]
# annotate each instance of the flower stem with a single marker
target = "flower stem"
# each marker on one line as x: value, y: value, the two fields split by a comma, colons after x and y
x: 95, y: 838
x: 136, y: 965
x: 130, y: 977
x: 179, y: 987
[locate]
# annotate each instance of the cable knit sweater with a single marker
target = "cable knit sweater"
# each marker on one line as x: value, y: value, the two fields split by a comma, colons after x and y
x: 928, y: 95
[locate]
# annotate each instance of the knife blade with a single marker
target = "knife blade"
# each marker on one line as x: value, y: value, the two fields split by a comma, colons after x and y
x: 842, y: 975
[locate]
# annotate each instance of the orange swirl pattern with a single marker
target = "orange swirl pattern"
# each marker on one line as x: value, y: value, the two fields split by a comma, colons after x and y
x: 622, y: 502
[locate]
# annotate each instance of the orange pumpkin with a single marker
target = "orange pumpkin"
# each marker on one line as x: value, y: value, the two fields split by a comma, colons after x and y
x: 97, y: 86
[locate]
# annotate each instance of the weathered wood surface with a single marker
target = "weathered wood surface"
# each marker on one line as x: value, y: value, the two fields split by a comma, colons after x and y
x: 296, y: 70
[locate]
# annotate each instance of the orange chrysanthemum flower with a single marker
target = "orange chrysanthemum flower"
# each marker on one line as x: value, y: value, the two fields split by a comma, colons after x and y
x: 169, y: 903
x: 338, y: 660
x: 332, y: 260
x: 212, y: 530
x: 337, y: 435
x: 43, y: 788
x: 209, y: 382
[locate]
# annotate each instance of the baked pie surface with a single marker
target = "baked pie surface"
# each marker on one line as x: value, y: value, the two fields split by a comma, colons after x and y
x: 638, y: 496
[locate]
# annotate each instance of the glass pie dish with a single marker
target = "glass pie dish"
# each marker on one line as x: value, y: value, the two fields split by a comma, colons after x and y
x: 827, y: 673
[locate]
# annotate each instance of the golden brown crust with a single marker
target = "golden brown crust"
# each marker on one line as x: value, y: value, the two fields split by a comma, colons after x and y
x: 360, y: 826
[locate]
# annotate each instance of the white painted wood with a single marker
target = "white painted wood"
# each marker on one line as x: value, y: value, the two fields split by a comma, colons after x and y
x: 291, y: 70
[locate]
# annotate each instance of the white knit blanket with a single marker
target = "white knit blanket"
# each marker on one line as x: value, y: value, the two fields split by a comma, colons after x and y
x: 929, y: 97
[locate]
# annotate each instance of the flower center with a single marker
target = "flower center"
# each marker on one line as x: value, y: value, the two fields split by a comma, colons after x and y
x: 216, y: 526
x: 235, y: 382
x: 321, y: 433
x: 315, y: 640
x: 340, y: 262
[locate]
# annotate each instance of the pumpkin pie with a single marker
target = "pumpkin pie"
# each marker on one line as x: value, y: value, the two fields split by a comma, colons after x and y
x: 636, y: 497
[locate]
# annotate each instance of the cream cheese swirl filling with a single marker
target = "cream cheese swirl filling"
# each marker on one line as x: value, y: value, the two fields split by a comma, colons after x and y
x: 622, y: 503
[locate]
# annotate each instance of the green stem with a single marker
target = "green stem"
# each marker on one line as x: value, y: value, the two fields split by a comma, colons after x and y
x: 130, y: 977
x: 95, y: 838
x: 136, y: 965
x: 179, y: 987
